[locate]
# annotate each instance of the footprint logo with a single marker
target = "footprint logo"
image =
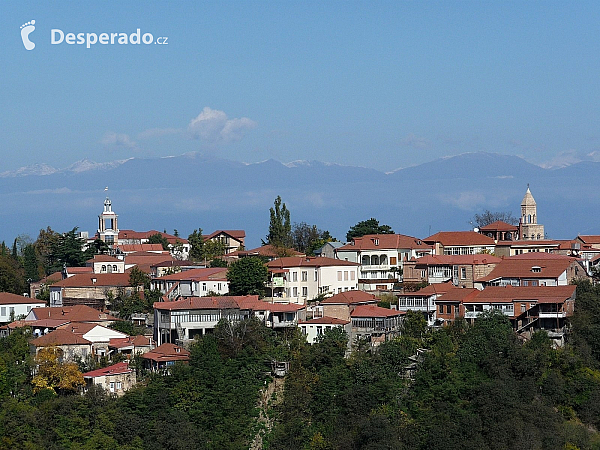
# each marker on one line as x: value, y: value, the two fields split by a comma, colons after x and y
x: 26, y: 30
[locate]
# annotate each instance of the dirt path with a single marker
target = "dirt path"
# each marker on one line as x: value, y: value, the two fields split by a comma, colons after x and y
x: 271, y: 395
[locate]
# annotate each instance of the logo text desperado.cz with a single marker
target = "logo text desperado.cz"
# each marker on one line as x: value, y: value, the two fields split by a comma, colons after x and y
x: 58, y: 37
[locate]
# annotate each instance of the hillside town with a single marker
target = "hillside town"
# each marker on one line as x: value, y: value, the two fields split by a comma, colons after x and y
x: 364, y: 287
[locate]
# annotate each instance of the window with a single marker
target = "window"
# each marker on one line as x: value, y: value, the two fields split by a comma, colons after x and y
x: 305, y: 291
x: 304, y: 275
x: 219, y: 286
x: 393, y: 260
x: 316, y: 275
x: 295, y: 292
x: 352, y: 276
x: 345, y: 275
x: 441, y: 309
x: 115, y: 268
x: 449, y: 309
x: 463, y: 273
x: 294, y: 276
x: 11, y: 310
x: 339, y: 275
x: 112, y: 386
x: 536, y: 269
x: 319, y: 330
x: 119, y: 385
x: 204, y: 286
x: 3, y: 311
x: 103, y: 268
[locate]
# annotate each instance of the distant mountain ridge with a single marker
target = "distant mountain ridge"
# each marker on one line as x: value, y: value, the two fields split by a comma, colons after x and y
x: 197, y: 190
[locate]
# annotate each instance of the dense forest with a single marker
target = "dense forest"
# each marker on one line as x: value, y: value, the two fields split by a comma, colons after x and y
x: 474, y: 387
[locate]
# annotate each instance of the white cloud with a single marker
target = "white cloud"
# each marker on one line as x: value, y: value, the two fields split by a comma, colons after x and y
x: 118, y: 140
x: 213, y: 126
x: 414, y: 141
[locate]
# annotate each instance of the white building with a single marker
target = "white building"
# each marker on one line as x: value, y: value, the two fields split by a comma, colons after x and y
x: 381, y: 257
x: 193, y: 283
x: 299, y: 278
x: 13, y: 306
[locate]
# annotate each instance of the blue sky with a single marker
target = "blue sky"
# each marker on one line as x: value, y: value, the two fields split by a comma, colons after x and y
x: 376, y: 84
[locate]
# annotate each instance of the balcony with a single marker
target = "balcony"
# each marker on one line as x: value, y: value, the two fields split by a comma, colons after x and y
x: 552, y: 315
x: 375, y: 267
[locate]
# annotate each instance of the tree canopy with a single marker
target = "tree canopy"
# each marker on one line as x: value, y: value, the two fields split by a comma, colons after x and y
x: 158, y: 238
x: 247, y: 276
x: 370, y: 226
x: 487, y: 217
x: 308, y: 238
x: 280, y: 228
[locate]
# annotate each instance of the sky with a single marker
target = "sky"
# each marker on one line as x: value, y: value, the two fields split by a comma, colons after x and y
x: 376, y: 84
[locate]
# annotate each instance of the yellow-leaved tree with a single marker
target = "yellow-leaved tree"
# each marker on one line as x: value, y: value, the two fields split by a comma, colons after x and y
x: 54, y: 374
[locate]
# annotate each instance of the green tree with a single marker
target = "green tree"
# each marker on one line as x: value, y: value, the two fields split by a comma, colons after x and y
x: 280, y: 228
x: 137, y: 278
x: 12, y: 275
x: 218, y: 262
x: 159, y: 239
x: 196, y: 241
x: 370, y: 226
x: 307, y: 238
x: 247, y: 276
x: 31, y: 263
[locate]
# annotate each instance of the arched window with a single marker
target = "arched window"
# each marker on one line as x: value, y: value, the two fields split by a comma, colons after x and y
x: 366, y: 260
x: 115, y: 268
x: 374, y: 260
x: 383, y: 259
x: 103, y: 268
x: 109, y: 268
x: 529, y: 218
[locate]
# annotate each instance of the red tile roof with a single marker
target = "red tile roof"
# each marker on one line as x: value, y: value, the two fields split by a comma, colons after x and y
x: 521, y: 266
x: 350, y: 298
x: 385, y: 241
x: 507, y: 294
x: 459, y: 238
x: 325, y: 321
x: 59, y: 337
x: 225, y: 302
x: 6, y: 298
x: 499, y: 225
x: 78, y: 313
x: 374, y: 311
x: 78, y: 270
x: 236, y: 234
x: 131, y: 234
x: 432, y: 289
x: 167, y: 352
x: 133, y: 248
x: 115, y: 369
x: 130, y: 341
x: 307, y: 261
x: 212, y: 273
x: 458, y: 295
x: 590, y: 238
x: 103, y: 258
x: 95, y: 279
x: 253, y: 304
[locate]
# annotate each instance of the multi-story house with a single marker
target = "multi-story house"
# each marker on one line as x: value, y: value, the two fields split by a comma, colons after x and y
x: 13, y: 306
x: 184, y: 319
x: 534, y: 269
x: 424, y: 300
x: 232, y: 240
x: 460, y: 270
x: 381, y: 258
x: 298, y: 279
x: 89, y: 289
x: 193, y: 283
x: 460, y: 243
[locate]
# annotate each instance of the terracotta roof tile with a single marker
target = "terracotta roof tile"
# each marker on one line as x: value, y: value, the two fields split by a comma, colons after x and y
x: 385, y: 241
x: 6, y: 298
x: 499, y: 225
x: 78, y: 313
x: 350, y: 298
x: 167, y: 352
x: 95, y: 279
x: 307, y: 261
x: 59, y: 337
x: 374, y: 311
x: 212, y: 273
x: 115, y: 369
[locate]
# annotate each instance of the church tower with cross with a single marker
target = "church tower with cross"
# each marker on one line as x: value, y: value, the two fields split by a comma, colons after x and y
x: 108, y: 231
x: 529, y: 228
